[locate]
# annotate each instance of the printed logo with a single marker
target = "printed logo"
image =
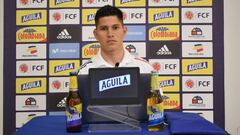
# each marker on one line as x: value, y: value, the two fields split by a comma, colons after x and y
x: 96, y: 3
x: 90, y: 50
x: 114, y: 82
x: 30, y: 102
x: 197, y: 66
x: 160, y: 3
x: 137, y: 49
x: 62, y: 103
x: 62, y: 67
x: 87, y: 33
x: 197, y: 101
x: 171, y: 101
x: 88, y: 16
x: 31, y: 3
x: 31, y: 34
x: 64, y: 33
x: 57, y: 101
x: 136, y: 33
x: 23, y: 117
x: 130, y: 3
x: 163, y: 15
x: 64, y: 3
x: 30, y: 51
x: 164, y: 49
x: 165, y: 66
x: 30, y: 17
x: 164, y: 32
x: 31, y: 68
x: 197, y: 32
x: 197, y: 15
x: 58, y: 84
x: 197, y: 83
x: 196, y: 2
x: 169, y: 83
x: 197, y: 49
x: 64, y: 50
x: 30, y: 85
x: 133, y: 15
x: 64, y: 16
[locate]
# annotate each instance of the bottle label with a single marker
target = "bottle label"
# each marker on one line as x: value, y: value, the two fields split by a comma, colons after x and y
x: 156, y: 114
x: 74, y: 115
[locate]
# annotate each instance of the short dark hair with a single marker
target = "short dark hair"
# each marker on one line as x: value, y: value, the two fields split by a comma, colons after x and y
x: 108, y: 10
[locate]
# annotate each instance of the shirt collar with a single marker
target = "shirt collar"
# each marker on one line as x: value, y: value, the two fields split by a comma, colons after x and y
x: 100, y: 62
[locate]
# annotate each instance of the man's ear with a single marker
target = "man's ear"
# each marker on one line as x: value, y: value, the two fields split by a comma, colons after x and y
x: 125, y: 30
x: 95, y: 33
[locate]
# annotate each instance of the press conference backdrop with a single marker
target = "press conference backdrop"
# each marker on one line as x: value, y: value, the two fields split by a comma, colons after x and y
x: 45, y: 40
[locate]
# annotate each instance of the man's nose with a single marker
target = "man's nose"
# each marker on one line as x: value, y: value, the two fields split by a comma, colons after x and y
x: 110, y: 33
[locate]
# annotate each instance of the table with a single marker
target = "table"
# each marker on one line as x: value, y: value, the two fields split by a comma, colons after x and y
x: 56, y: 125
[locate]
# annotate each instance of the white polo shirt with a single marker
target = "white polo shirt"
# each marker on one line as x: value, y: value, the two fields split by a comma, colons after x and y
x: 128, y: 61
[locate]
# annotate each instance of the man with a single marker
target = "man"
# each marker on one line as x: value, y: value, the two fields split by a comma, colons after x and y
x: 110, y: 33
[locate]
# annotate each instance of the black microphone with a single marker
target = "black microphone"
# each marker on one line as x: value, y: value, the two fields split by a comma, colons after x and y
x: 117, y: 64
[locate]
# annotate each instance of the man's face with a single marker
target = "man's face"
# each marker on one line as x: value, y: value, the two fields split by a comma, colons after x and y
x: 110, y: 33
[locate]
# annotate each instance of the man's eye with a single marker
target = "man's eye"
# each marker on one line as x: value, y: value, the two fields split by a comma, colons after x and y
x: 115, y: 27
x: 104, y: 28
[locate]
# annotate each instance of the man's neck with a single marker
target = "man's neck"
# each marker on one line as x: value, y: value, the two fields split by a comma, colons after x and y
x: 113, y: 57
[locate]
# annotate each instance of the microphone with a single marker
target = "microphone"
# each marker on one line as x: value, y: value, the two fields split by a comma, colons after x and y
x: 117, y: 64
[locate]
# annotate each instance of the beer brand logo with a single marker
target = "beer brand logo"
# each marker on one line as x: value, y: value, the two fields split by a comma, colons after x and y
x: 197, y: 66
x: 64, y: 67
x: 167, y: 83
x: 197, y: 100
x: 32, y: 49
x: 164, y: 51
x: 23, y: 68
x: 30, y: 17
x: 189, y: 15
x: 131, y: 48
x: 156, y: 66
x: 196, y: 31
x: 127, y: 1
x: 170, y: 102
x: 57, y: 16
x: 30, y: 85
x: 198, y: 48
x: 114, y: 82
x: 90, y: 50
x: 90, y: 17
x: 189, y: 83
x: 24, y: 2
x: 163, y: 15
x: 57, y: 2
x: 56, y: 84
x: 191, y: 1
x: 64, y: 35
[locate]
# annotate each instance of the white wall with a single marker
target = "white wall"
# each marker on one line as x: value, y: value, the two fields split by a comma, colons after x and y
x: 232, y: 65
x: 1, y: 67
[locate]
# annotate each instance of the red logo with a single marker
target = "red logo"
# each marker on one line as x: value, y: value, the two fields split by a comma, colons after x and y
x: 156, y: 1
x: 189, y: 15
x: 24, y: 2
x: 23, y: 68
x: 90, y: 1
x: 57, y: 16
x: 156, y: 66
x: 124, y: 16
x: 189, y: 83
x: 56, y: 84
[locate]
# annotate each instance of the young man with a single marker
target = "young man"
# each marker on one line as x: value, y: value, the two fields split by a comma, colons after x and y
x: 110, y: 33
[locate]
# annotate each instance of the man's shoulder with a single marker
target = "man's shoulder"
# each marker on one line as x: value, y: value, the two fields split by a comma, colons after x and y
x: 83, y: 69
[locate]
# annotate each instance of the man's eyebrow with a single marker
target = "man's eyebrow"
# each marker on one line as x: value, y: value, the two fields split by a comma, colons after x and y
x: 102, y: 26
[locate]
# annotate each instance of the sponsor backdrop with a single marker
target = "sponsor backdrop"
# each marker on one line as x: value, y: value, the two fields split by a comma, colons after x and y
x: 47, y: 39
